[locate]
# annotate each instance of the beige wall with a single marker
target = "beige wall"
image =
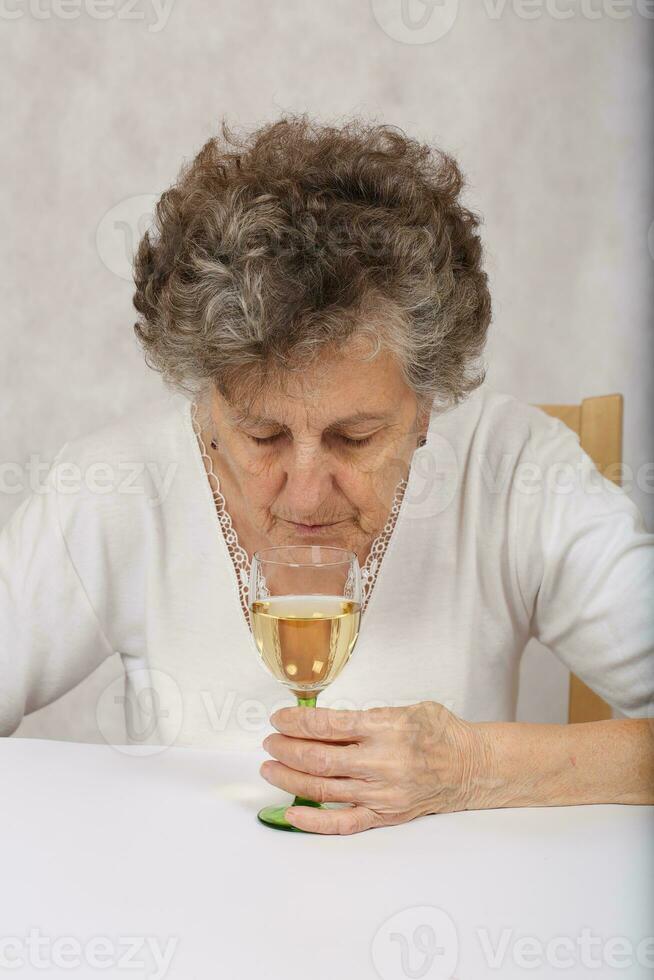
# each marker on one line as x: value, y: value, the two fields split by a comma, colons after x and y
x: 549, y: 115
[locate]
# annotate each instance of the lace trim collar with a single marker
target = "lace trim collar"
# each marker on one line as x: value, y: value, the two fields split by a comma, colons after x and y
x: 239, y: 556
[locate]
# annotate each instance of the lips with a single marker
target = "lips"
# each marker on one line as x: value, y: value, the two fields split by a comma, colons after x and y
x: 315, y: 528
x: 309, y: 526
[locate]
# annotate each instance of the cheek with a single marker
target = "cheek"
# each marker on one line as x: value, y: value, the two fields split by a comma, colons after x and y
x: 260, y: 489
x: 378, y: 485
x: 367, y: 492
x: 259, y: 480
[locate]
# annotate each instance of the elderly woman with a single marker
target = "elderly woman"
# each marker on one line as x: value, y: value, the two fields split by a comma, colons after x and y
x: 315, y: 301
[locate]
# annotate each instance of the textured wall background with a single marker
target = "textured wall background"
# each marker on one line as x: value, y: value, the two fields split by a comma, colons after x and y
x: 546, y: 105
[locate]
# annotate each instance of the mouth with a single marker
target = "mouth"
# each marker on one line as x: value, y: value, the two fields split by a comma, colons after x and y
x: 312, y: 528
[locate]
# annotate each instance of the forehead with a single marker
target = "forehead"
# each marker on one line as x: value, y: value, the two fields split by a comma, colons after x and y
x: 340, y: 390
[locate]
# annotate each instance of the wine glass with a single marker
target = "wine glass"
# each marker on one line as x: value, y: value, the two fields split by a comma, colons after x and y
x: 305, y: 614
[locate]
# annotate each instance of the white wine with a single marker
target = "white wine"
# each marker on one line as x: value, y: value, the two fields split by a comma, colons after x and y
x: 305, y: 640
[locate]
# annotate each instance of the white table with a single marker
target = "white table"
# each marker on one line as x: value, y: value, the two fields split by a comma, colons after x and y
x: 102, y: 841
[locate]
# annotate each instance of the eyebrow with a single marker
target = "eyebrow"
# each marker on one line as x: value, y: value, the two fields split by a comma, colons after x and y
x: 353, y: 419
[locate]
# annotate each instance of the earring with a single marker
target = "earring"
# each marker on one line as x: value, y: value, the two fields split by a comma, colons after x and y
x: 422, y: 442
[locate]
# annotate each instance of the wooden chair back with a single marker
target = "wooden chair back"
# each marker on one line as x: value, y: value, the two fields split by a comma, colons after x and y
x: 598, y: 423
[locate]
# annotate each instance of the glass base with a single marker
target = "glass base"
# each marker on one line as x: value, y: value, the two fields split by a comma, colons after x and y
x: 273, y: 816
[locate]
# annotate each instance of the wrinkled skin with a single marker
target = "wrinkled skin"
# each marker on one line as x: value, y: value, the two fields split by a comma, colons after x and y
x: 310, y: 473
x: 392, y: 764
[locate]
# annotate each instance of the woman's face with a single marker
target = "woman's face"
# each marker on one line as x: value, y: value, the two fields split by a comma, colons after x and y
x: 330, y: 452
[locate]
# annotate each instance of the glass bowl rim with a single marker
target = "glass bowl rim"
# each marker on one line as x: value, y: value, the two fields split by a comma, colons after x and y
x: 321, y: 564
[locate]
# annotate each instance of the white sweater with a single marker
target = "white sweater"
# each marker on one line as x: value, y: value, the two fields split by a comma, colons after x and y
x: 506, y: 530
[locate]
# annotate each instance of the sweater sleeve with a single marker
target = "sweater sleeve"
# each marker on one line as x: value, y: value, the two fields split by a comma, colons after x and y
x: 585, y: 563
x: 50, y: 636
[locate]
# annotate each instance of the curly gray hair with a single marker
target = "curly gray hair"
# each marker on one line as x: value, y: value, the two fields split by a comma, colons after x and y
x: 276, y: 244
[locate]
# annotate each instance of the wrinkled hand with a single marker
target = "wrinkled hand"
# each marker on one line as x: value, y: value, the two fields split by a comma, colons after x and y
x: 391, y: 764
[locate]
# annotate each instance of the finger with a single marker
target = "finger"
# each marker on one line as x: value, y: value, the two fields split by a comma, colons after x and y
x: 316, y: 758
x: 320, y: 723
x: 349, y: 820
x: 312, y: 787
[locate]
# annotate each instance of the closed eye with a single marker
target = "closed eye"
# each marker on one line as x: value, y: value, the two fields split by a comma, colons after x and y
x: 344, y: 439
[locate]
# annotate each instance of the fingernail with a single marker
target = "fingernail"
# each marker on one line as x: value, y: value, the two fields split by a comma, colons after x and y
x: 290, y: 815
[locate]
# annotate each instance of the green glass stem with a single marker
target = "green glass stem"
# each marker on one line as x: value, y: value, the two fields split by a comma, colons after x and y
x: 305, y: 703
x: 273, y: 816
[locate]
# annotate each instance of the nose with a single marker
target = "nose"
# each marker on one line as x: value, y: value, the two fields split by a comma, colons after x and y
x: 309, y: 486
